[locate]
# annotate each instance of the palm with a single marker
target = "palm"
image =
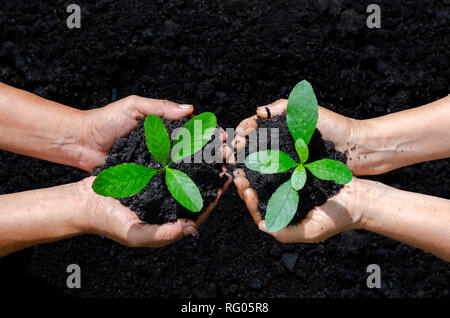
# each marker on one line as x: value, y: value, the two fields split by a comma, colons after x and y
x: 325, y: 221
x: 104, y: 126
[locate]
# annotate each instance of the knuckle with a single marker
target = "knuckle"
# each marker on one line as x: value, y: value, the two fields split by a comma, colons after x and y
x: 166, y: 103
x: 131, y: 99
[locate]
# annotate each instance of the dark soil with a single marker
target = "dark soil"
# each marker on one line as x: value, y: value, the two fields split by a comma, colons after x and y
x: 228, y: 57
x: 316, y: 191
x: 154, y: 204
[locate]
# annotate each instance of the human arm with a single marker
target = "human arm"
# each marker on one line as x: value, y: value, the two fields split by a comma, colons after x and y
x: 415, y: 219
x: 46, y: 215
x: 426, y: 226
x: 33, y: 126
x: 36, y: 127
x: 378, y: 145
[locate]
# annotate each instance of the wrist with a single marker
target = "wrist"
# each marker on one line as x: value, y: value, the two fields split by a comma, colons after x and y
x: 80, y: 130
x: 369, y: 150
x: 87, y: 205
x: 368, y: 198
x: 355, y: 198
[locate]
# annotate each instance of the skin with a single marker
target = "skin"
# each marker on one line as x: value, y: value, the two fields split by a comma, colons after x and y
x: 40, y: 128
x: 372, y: 146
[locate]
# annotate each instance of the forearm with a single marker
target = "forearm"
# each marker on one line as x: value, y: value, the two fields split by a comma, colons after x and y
x: 404, y: 138
x: 40, y: 216
x: 415, y: 219
x: 33, y: 126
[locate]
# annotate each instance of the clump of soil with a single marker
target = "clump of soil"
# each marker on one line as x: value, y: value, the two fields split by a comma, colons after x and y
x: 155, y: 204
x: 316, y: 191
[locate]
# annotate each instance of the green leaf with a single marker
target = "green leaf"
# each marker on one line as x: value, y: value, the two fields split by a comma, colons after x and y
x: 270, y: 161
x: 298, y: 178
x: 281, y: 207
x: 328, y: 169
x: 157, y: 138
x: 196, y: 134
x: 184, y: 190
x: 302, y: 112
x: 123, y: 180
x: 302, y: 150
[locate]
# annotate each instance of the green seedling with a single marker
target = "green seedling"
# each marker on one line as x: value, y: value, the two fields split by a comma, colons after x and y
x: 302, y: 115
x: 128, y: 179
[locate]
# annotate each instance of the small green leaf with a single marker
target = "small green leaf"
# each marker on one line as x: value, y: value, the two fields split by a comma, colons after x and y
x: 123, y: 180
x: 302, y: 150
x: 157, y: 138
x: 298, y: 178
x: 281, y: 207
x: 196, y: 133
x: 328, y: 169
x: 184, y: 190
x: 270, y: 161
x: 302, y: 112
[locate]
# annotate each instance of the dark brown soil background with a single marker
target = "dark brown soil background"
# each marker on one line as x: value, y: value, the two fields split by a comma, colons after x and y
x: 228, y: 57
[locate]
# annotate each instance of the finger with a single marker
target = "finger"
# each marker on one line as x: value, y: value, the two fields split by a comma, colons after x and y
x: 239, y: 143
x: 145, y: 106
x: 154, y: 235
x: 251, y: 200
x: 271, y: 110
x: 307, y: 231
x: 213, y: 204
x: 228, y: 176
x: 222, y: 134
x: 227, y: 154
x: 247, y: 126
x: 241, y: 184
x: 239, y: 172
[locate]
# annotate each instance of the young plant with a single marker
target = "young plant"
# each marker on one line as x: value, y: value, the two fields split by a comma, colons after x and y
x: 127, y: 179
x: 302, y: 115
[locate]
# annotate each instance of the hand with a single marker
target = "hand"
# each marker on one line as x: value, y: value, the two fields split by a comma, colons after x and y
x: 344, y: 211
x: 321, y: 222
x: 103, y: 126
x: 344, y: 132
x: 107, y: 216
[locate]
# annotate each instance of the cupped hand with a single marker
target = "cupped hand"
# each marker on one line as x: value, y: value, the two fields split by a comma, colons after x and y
x: 103, y: 126
x: 107, y: 216
x: 338, y: 213
x: 342, y: 212
x: 344, y: 132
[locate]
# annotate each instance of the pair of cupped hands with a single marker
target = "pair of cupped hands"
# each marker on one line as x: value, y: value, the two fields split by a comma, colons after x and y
x: 107, y: 216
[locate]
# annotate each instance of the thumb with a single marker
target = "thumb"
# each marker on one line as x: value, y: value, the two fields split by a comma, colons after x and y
x: 307, y: 231
x: 145, y: 106
x: 154, y: 235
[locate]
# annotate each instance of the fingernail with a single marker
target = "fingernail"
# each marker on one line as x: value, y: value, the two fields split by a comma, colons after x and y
x: 261, y: 108
x: 263, y: 111
x: 185, y: 106
x: 262, y: 226
x: 189, y: 230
